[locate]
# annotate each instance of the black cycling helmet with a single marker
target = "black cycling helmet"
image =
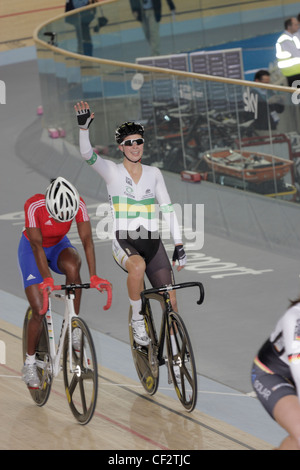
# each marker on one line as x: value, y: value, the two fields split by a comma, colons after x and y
x: 126, y: 129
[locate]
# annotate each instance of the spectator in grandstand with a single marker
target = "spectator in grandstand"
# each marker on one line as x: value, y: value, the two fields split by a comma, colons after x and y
x: 148, y: 12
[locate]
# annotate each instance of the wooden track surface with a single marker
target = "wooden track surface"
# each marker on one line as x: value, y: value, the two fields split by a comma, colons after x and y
x: 18, y: 20
x: 125, y: 417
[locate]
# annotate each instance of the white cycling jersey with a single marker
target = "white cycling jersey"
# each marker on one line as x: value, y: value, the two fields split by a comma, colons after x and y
x: 133, y: 204
x: 284, y: 344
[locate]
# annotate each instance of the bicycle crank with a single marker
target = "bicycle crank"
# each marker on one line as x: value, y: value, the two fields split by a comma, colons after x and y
x: 152, y: 358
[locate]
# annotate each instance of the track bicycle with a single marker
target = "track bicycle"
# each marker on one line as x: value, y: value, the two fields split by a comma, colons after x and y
x: 173, y: 335
x: 79, y: 361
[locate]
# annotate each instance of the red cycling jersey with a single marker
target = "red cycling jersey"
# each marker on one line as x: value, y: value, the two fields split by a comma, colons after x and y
x: 36, y: 215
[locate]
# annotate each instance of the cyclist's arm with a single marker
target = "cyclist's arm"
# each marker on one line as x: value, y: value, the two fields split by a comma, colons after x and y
x: 85, y: 234
x: 36, y: 241
x: 167, y: 209
x: 104, y: 167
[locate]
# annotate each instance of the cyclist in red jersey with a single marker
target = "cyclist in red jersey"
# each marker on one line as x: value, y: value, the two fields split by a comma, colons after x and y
x: 44, y: 246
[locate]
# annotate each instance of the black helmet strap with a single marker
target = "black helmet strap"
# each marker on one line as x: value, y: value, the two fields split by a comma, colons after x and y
x: 132, y: 161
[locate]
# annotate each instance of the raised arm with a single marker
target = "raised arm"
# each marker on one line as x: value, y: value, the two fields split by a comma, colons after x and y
x: 104, y: 167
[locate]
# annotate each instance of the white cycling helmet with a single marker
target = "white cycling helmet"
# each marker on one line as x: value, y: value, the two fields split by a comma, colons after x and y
x: 62, y: 200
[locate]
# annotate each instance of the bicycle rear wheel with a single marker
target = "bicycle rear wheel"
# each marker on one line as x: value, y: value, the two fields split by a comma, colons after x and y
x: 145, y: 358
x: 81, y: 377
x: 185, y: 377
x: 44, y: 366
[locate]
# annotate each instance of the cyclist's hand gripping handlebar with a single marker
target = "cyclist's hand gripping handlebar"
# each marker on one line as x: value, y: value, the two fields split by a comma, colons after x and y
x: 47, y: 286
x: 102, y: 284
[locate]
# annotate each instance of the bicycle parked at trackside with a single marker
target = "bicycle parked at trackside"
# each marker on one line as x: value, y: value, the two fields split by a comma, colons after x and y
x: 79, y: 361
x: 178, y: 357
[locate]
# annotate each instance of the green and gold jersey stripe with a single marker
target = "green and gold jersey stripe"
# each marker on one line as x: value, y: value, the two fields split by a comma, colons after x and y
x: 127, y: 208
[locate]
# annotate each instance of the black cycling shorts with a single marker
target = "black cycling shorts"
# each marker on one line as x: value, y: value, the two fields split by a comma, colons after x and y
x: 150, y: 247
x: 270, y: 387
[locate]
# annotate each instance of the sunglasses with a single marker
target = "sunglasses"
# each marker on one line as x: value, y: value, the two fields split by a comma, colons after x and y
x: 130, y: 142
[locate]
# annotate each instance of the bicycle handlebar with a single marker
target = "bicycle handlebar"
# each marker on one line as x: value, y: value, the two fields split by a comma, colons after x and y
x: 70, y: 287
x: 183, y: 285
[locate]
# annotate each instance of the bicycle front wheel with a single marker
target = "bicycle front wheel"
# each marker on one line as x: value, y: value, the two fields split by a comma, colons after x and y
x: 145, y: 359
x: 44, y: 365
x: 80, y: 372
x: 181, y: 361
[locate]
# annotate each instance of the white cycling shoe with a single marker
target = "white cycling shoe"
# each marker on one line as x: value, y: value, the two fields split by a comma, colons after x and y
x: 30, y: 376
x: 139, y: 332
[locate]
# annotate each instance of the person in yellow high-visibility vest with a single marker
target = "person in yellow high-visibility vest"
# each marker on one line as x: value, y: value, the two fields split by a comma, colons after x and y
x: 288, y: 51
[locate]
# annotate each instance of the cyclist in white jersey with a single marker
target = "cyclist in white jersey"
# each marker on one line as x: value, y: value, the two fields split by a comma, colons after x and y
x: 132, y: 190
x: 275, y: 375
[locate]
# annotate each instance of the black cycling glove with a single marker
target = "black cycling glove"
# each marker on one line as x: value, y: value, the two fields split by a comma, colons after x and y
x: 84, y: 118
x: 179, y: 255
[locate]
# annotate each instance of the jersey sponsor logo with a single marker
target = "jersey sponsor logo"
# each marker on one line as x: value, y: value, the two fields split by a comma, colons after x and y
x: 48, y: 222
x: 148, y: 194
x: 128, y: 192
x: 261, y: 390
x: 297, y: 331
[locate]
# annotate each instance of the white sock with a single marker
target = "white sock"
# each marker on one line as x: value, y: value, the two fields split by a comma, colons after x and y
x: 30, y: 359
x: 136, y: 306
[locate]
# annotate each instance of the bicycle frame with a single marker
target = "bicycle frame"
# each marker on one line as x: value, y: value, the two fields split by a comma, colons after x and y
x: 55, y: 354
x: 164, y: 299
x: 67, y: 321
x: 173, y: 336
x: 76, y: 357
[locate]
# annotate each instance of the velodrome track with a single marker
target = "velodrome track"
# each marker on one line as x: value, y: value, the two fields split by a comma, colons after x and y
x: 225, y: 331
x: 238, y: 313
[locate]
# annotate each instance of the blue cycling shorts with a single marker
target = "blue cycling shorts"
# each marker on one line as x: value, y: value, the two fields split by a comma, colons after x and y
x: 28, y: 267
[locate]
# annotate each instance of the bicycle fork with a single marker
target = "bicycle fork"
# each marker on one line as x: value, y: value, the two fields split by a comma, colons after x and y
x: 173, y: 358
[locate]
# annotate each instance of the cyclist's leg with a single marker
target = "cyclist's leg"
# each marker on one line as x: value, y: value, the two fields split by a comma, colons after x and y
x: 31, y: 279
x: 279, y: 398
x: 65, y: 259
x: 135, y: 266
x: 35, y: 324
x: 160, y: 273
x: 34, y: 329
x: 287, y: 415
x: 129, y: 259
